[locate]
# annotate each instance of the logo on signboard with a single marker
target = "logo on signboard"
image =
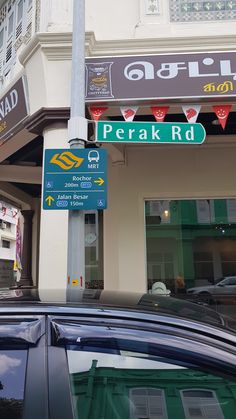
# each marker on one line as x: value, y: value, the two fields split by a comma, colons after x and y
x: 66, y: 160
x: 93, y: 155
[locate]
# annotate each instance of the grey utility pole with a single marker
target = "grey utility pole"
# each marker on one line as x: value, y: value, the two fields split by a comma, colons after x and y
x: 77, y: 131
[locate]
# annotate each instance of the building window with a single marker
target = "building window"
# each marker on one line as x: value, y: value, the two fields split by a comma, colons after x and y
x: 202, y: 10
x: 201, y: 404
x: 16, y: 26
x: 6, y: 244
x: 5, y: 225
x: 147, y: 403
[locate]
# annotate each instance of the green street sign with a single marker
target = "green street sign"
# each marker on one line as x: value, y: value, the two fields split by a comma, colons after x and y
x: 149, y: 132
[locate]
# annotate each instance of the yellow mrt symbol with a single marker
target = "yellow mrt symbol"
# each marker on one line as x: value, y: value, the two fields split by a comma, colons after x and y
x: 75, y: 282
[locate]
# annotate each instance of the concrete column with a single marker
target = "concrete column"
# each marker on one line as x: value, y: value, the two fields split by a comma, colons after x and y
x: 54, y: 225
x: 26, y: 273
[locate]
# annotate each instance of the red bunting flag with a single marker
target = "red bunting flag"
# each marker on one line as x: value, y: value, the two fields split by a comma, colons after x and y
x: 4, y: 211
x: 97, y: 111
x: 14, y: 213
x: 128, y: 112
x: 222, y: 113
x: 191, y: 112
x: 159, y: 112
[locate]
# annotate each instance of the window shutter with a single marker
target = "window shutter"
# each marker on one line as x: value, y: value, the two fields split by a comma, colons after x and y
x: 17, y: 23
x: 140, y: 403
x: 1, y: 50
x: 147, y: 403
x: 199, y: 407
x: 19, y: 19
x: 156, y: 407
x: 10, y: 34
x: 211, y: 411
x: 28, y: 19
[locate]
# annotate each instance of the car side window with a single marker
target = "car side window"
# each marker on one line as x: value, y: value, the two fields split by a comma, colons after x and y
x: 129, y: 385
x: 12, y: 382
x: 224, y: 282
x: 229, y: 281
x: 232, y: 281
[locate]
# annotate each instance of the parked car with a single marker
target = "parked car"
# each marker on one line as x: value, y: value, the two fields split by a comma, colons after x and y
x: 96, y: 354
x: 223, y: 291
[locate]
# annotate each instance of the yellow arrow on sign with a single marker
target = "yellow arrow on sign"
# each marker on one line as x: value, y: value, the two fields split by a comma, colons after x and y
x: 99, y: 181
x: 49, y: 200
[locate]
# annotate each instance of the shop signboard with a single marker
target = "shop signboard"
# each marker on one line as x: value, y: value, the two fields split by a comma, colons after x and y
x: 13, y: 109
x: 75, y: 179
x: 163, y: 76
x: 149, y: 132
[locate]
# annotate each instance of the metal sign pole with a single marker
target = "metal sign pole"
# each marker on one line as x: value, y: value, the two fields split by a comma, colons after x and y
x: 77, y: 131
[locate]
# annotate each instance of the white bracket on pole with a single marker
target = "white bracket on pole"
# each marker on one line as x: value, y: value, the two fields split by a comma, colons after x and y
x: 78, y: 128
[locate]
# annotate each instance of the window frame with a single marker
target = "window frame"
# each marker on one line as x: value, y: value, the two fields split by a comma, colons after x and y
x: 216, y: 401
x: 203, y: 16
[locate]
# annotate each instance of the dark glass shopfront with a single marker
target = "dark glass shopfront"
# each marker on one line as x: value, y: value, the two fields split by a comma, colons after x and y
x: 191, y: 249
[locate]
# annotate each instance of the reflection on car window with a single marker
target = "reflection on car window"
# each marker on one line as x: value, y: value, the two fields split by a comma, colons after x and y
x: 147, y: 402
x: 12, y: 381
x: 202, y: 404
x: 133, y: 386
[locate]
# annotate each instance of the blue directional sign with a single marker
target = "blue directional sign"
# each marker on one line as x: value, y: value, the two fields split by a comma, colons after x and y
x: 75, y: 179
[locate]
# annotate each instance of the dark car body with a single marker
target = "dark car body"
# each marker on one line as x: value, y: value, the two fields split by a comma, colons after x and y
x: 100, y: 355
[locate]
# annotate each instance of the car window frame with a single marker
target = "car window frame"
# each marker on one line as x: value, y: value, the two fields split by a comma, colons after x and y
x: 36, y: 398
x: 162, y: 335
x: 35, y: 401
x: 60, y: 407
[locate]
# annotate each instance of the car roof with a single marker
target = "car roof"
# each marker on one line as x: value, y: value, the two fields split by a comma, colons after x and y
x: 34, y: 300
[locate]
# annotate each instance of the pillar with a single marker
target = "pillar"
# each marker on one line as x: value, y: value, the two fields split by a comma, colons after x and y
x: 53, y: 225
x: 26, y: 273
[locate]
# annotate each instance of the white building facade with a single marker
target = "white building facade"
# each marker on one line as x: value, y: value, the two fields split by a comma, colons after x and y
x: 171, y: 207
